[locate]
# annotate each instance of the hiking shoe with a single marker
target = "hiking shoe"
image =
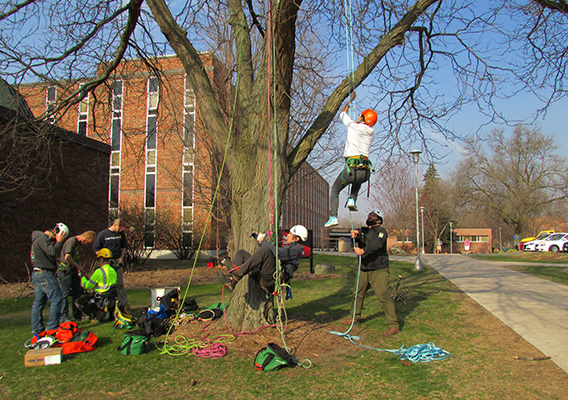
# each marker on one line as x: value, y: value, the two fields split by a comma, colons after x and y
x: 351, y: 205
x: 332, y: 222
x: 391, y: 331
x: 225, y: 280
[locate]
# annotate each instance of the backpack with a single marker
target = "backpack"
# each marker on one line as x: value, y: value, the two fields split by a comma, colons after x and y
x: 170, y: 301
x: 272, y: 358
x: 69, y: 337
x: 133, y: 343
x: 152, y: 324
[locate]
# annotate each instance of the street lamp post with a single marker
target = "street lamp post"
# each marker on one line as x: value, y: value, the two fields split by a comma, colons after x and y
x: 422, y: 223
x: 451, y: 239
x: 416, y: 157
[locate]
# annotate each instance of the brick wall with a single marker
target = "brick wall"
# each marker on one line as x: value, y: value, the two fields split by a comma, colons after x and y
x: 78, y: 196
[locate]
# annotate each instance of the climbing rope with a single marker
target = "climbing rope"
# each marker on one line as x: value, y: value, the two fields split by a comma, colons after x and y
x: 178, y: 348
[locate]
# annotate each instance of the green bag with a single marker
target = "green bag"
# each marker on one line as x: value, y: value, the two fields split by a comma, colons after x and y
x: 272, y: 358
x: 133, y: 343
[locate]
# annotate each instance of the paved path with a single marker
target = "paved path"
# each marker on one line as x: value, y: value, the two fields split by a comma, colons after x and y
x: 535, y: 308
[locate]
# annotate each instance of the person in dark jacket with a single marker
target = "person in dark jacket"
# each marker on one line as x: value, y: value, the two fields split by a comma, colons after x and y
x: 46, y: 246
x: 371, y: 246
x: 261, y: 266
x: 114, y: 239
x: 68, y: 274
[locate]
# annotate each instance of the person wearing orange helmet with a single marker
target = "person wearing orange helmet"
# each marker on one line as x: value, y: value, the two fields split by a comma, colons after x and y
x: 357, y: 170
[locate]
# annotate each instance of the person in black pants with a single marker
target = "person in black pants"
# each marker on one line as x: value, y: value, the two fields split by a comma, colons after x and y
x: 261, y: 265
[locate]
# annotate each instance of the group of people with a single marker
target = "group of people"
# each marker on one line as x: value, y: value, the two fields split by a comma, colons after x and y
x: 58, y: 274
x: 56, y: 282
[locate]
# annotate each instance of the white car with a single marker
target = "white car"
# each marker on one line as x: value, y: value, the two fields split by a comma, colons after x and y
x: 553, y: 243
x: 531, y: 246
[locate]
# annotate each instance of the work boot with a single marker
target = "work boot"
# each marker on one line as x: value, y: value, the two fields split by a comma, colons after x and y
x: 351, y: 205
x: 228, y: 282
x: 391, y: 331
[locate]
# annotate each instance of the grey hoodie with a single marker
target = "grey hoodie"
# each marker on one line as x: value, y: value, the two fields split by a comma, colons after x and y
x: 44, y: 251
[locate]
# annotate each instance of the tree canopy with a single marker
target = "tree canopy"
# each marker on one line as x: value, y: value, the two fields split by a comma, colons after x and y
x: 420, y: 61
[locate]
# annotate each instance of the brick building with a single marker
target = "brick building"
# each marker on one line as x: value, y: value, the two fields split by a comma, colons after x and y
x: 161, y: 165
x: 67, y: 181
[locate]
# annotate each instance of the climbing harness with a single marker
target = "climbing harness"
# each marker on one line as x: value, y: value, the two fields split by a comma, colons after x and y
x: 358, y: 162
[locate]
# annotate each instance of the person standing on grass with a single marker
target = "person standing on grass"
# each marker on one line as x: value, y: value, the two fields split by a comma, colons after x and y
x: 68, y: 273
x: 371, y: 246
x: 45, y: 248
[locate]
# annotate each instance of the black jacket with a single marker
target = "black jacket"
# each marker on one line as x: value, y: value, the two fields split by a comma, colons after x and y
x: 289, y: 256
x: 44, y: 251
x: 374, y: 242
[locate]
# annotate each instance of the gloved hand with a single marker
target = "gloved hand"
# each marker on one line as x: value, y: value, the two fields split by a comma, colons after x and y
x: 261, y: 237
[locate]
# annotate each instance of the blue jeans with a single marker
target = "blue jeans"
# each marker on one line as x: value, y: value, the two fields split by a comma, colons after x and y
x: 70, y: 286
x: 46, y: 287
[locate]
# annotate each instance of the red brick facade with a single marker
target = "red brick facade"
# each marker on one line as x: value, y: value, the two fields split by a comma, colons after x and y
x: 157, y: 142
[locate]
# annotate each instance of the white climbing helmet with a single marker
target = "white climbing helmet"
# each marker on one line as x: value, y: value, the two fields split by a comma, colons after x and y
x: 61, y: 227
x: 301, y: 231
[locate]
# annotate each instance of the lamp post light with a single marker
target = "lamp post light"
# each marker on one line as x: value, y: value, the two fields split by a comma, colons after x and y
x: 451, y: 239
x: 416, y: 157
x: 422, y: 223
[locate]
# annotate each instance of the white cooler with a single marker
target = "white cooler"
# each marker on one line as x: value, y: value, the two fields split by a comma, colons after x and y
x: 159, y: 292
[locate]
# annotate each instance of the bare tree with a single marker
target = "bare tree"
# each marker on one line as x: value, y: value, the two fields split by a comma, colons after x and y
x: 517, y: 176
x: 403, y: 50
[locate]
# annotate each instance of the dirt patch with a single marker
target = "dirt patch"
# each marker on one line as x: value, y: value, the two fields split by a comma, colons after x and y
x: 305, y: 339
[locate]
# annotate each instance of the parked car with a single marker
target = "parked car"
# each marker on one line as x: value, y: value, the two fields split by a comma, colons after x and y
x: 531, y: 246
x: 553, y: 243
x: 565, y: 248
x: 541, y: 235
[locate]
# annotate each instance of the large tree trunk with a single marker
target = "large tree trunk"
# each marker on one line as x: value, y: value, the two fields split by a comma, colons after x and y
x: 250, y: 308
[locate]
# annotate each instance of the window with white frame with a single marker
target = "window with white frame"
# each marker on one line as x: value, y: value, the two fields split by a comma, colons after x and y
x: 115, y: 139
x: 188, y: 163
x: 151, y: 144
x: 82, y: 115
x: 50, y: 101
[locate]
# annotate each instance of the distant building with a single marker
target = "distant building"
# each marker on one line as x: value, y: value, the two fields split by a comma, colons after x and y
x: 480, y: 240
x: 161, y: 161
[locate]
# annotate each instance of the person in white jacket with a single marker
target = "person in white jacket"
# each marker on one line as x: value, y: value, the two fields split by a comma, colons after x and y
x: 357, y: 170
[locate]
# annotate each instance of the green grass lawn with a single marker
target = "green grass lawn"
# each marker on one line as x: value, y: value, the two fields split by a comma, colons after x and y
x: 481, y: 365
x: 528, y: 263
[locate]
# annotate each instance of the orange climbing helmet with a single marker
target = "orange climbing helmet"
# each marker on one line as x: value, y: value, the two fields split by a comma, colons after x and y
x: 370, y: 117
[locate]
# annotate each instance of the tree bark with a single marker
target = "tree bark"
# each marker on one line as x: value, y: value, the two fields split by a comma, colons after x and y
x: 250, y: 308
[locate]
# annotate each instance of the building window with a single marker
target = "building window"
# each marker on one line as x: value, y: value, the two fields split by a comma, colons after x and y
x: 116, y: 127
x: 114, y: 190
x: 82, y: 116
x: 187, y: 185
x: 115, y: 139
x: 151, y: 143
x: 50, y: 100
x: 188, y: 160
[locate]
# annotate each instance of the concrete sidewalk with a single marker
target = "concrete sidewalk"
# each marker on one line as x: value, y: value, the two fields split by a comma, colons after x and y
x: 534, y: 308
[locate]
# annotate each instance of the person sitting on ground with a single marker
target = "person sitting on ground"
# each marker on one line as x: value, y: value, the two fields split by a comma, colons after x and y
x: 261, y: 266
x: 101, y: 303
